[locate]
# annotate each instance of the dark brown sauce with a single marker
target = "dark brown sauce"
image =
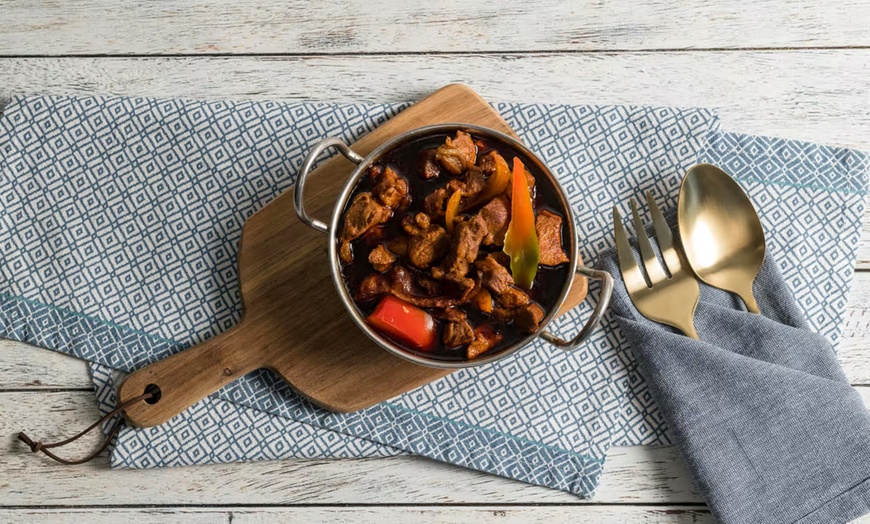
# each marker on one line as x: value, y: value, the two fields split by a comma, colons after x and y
x: 407, y: 161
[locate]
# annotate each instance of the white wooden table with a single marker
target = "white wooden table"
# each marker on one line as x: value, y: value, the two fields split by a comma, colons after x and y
x: 797, y: 69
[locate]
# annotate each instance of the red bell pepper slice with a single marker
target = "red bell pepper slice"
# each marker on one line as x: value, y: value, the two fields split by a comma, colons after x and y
x: 404, y: 322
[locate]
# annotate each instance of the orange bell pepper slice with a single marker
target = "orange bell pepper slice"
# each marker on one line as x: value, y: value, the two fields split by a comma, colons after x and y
x: 521, y: 240
x: 497, y: 182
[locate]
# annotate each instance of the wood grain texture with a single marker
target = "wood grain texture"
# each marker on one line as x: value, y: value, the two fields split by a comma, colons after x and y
x: 633, y: 475
x: 862, y: 262
x: 291, y: 309
x: 25, y: 367
x: 854, y: 352
x: 694, y: 514
x: 386, y: 26
x: 812, y: 95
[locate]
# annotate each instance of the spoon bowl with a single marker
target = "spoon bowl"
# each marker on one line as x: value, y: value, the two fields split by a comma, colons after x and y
x: 720, y: 232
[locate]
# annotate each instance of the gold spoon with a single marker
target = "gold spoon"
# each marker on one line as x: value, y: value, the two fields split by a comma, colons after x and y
x: 720, y: 231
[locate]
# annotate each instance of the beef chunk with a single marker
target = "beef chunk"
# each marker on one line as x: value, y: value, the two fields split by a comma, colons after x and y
x: 503, y: 314
x: 412, y: 288
x: 414, y: 224
x: 502, y: 258
x: 513, y: 297
x: 427, y: 302
x: 397, y: 245
x: 460, y: 287
x: 528, y: 318
x: 373, y: 236
x: 549, y: 228
x: 430, y: 302
x: 489, y: 161
x: 471, y: 184
x: 390, y: 189
x: 458, y: 154
x: 485, y: 338
x: 475, y: 181
x: 397, y: 281
x: 530, y: 180
x: 493, y: 275
x: 457, y: 333
x: 428, y: 285
x: 451, y: 314
x: 497, y: 216
x: 401, y: 280
x: 496, y: 278
x: 375, y: 172
x: 435, y: 204
x: 427, y: 243
x: 429, y: 168
x: 372, y: 287
x: 465, y: 243
x: 363, y: 214
x: 381, y: 259
x: 486, y: 162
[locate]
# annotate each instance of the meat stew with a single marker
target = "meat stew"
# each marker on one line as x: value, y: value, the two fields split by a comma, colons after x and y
x: 426, y: 225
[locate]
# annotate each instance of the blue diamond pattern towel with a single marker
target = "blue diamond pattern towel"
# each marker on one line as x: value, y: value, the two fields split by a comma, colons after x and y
x: 121, y: 219
x: 83, y: 177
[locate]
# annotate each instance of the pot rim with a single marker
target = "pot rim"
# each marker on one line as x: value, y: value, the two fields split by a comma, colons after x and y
x: 347, y: 191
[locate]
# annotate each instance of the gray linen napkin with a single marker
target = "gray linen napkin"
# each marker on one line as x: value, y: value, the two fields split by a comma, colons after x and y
x: 759, y: 408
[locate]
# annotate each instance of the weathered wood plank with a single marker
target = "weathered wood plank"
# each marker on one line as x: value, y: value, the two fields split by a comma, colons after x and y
x: 23, y: 366
x: 637, y: 475
x: 854, y: 351
x: 112, y: 516
x: 812, y: 95
x: 863, y: 258
x: 372, y: 515
x: 633, y: 475
x: 386, y: 26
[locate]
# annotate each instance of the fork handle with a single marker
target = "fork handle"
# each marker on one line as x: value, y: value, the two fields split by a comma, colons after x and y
x: 597, y: 313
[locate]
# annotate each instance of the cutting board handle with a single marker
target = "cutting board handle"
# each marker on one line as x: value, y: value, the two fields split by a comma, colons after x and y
x: 186, y: 377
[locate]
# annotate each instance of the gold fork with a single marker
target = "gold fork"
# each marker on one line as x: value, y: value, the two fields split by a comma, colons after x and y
x: 669, y: 300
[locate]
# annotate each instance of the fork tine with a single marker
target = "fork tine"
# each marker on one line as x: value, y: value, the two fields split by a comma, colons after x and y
x: 650, y: 262
x: 664, y: 236
x: 631, y: 274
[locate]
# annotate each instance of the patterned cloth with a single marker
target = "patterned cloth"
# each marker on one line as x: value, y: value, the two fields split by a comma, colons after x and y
x: 102, y: 181
x: 121, y: 222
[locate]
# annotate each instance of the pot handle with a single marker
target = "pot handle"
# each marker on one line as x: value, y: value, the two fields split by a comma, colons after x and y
x: 597, y: 313
x: 298, y: 189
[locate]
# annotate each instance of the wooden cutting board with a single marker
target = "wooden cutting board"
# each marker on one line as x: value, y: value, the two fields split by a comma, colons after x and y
x: 294, y: 322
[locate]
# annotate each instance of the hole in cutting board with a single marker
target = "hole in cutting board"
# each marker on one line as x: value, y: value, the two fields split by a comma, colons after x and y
x: 154, y: 389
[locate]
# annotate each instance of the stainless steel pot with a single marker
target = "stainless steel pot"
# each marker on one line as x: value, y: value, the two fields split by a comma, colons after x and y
x: 363, y: 163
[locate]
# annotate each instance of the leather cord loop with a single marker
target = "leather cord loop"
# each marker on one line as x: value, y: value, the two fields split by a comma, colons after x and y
x: 36, y: 446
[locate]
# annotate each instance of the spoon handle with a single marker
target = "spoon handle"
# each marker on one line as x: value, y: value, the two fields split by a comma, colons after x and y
x: 749, y: 299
